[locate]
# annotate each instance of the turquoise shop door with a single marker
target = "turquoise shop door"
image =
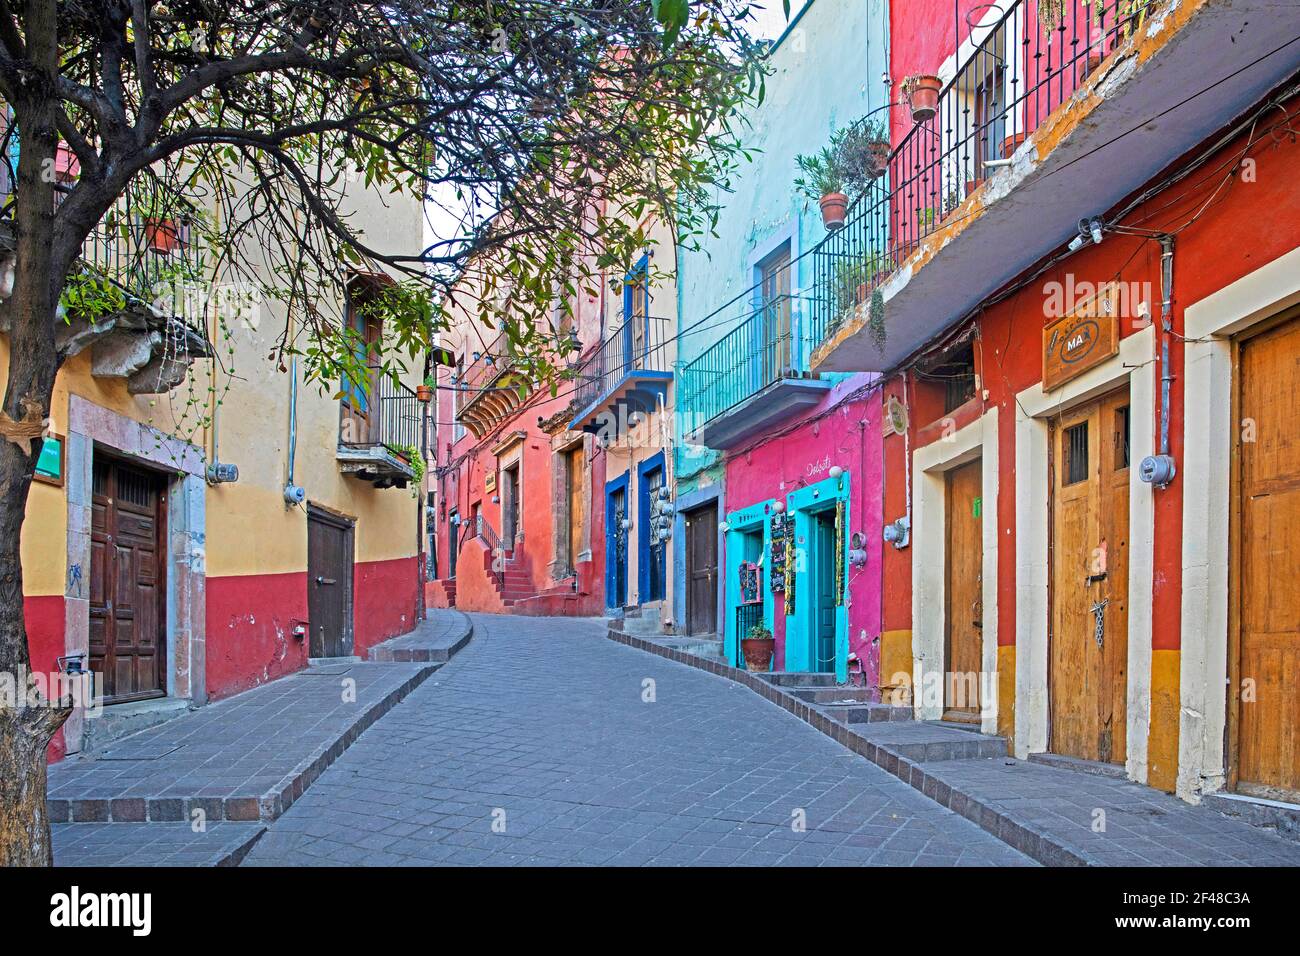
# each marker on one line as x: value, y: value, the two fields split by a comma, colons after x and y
x: 823, y: 638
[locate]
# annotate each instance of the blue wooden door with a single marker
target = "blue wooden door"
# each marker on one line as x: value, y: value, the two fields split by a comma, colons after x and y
x: 823, y: 638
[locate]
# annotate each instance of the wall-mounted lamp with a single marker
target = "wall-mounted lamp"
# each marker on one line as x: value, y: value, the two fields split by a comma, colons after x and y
x: 835, y: 471
x: 778, y: 507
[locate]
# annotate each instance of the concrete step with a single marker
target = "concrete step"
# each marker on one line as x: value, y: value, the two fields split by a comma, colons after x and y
x: 118, y: 721
x: 799, y: 679
x: 924, y: 742
x: 1095, y: 767
x: 865, y: 713
x: 835, y: 695
x: 1273, y: 815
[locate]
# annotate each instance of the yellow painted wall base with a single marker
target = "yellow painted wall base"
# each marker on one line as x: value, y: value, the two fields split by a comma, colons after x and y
x: 1162, y: 740
x: 895, y: 658
x: 1007, y: 694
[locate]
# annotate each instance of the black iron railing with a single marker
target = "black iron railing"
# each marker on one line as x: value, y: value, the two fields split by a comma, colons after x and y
x: 1016, y: 68
x: 640, y: 344
x: 748, y: 616
x: 387, y: 414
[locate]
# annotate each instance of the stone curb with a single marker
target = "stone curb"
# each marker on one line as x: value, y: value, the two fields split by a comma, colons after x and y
x: 424, y: 655
x: 244, y: 808
x: 1030, y: 840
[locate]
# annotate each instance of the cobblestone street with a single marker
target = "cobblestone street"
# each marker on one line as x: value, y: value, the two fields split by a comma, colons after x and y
x: 543, y: 743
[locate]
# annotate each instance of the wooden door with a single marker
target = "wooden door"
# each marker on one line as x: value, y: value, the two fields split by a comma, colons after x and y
x: 1089, y: 562
x: 823, y: 637
x: 509, y: 507
x: 963, y: 593
x: 573, y: 486
x: 702, y: 570
x: 329, y: 584
x: 127, y: 582
x: 1268, y: 548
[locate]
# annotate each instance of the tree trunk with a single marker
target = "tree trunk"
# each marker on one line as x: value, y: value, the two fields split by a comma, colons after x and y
x: 29, y: 722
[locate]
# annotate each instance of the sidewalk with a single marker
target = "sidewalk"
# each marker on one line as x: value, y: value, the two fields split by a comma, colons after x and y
x: 234, y: 765
x: 1055, y: 815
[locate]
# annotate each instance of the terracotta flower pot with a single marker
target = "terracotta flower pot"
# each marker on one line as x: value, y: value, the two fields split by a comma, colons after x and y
x: 1089, y: 65
x: 758, y: 652
x: 424, y: 393
x: 923, y: 96
x: 879, y: 154
x: 162, y: 235
x: 834, y: 206
x: 1012, y: 143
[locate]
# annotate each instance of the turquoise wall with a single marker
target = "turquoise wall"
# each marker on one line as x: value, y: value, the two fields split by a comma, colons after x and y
x: 826, y: 72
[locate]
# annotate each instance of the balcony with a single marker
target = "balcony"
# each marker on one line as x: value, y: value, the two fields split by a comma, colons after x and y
x: 490, y: 390
x: 629, y: 372
x: 748, y: 380
x: 379, y: 433
x: 158, y: 265
x: 972, y: 197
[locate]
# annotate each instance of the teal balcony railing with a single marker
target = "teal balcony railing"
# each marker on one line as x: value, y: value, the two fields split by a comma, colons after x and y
x: 756, y: 353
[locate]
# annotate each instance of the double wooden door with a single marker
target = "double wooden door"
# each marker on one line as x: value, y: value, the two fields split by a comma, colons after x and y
x: 128, y: 616
x: 1266, y: 698
x: 963, y: 592
x: 702, y: 570
x: 1089, y: 586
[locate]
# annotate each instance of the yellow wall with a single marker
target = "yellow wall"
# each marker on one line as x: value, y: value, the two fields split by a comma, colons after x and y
x: 249, y: 528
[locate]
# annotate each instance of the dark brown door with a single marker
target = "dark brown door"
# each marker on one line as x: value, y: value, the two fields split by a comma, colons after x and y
x: 127, y: 582
x: 329, y: 584
x: 963, y: 619
x: 1089, y: 620
x: 702, y: 570
x: 1268, y: 678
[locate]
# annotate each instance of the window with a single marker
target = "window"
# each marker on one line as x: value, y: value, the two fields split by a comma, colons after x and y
x: 1075, y: 445
x: 774, y: 285
x: 636, y: 310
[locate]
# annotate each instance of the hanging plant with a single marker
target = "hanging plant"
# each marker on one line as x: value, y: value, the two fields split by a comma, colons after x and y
x: 921, y: 90
x: 876, y: 320
x: 1051, y: 13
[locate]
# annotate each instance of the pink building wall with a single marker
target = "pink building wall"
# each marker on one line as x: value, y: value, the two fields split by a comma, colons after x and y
x: 837, y: 432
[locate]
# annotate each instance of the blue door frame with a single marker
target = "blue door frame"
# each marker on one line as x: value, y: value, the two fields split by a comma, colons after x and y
x: 640, y: 273
x: 741, y: 522
x: 644, y: 513
x: 801, y: 627
x: 613, y: 597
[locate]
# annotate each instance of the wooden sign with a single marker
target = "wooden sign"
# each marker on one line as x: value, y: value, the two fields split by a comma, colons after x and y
x: 1081, y: 340
x: 490, y: 482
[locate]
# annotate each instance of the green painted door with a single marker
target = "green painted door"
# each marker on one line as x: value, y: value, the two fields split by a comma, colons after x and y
x: 824, y: 614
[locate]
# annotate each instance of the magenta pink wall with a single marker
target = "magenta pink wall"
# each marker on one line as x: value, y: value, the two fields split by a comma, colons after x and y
x: 837, y: 432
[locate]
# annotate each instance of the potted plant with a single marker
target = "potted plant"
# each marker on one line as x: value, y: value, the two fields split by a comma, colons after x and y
x: 922, y: 93
x: 1011, y: 143
x: 863, y: 153
x: 823, y: 180
x: 424, y: 391
x: 758, y: 647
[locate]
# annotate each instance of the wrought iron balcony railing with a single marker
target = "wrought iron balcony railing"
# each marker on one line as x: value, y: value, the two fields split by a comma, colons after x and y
x: 756, y: 353
x: 386, y: 416
x: 640, y: 344
x: 1017, y: 66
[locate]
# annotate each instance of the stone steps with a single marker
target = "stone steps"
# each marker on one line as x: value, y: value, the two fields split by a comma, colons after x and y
x: 869, y: 713
x: 835, y: 695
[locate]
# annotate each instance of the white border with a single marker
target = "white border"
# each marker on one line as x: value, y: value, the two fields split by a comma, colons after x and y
x: 1034, y: 407
x: 1207, y: 476
x: 976, y: 441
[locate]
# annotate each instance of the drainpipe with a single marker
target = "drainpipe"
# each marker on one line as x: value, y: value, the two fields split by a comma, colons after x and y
x: 293, y: 494
x: 1159, y: 470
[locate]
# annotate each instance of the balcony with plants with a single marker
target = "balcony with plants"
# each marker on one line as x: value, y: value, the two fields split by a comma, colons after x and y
x: 757, y: 374
x: 138, y: 299
x: 1018, y: 146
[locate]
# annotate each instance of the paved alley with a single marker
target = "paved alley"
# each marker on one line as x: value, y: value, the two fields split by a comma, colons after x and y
x: 543, y: 743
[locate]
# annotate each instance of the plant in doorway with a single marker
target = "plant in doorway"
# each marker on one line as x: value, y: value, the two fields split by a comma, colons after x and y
x: 758, y: 646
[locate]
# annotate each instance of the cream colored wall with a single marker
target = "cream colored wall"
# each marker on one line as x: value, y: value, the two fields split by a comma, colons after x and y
x: 250, y: 530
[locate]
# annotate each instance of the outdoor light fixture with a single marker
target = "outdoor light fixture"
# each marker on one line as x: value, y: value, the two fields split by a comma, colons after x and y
x: 724, y: 527
x: 835, y: 471
x: 72, y: 664
x: 1090, y: 230
x: 778, y: 507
